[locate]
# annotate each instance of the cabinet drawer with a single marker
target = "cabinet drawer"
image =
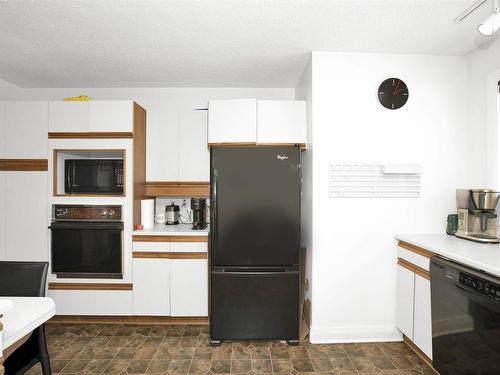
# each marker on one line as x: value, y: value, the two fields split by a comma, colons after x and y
x: 152, y: 247
x: 188, y: 247
x: 414, y: 258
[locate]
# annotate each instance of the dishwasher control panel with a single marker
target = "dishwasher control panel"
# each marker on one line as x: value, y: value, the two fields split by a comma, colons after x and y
x: 480, y: 285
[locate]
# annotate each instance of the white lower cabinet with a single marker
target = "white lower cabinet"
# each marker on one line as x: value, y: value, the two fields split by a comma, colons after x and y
x: 413, y: 315
x: 151, y: 291
x: 189, y: 287
x: 422, y: 328
x: 405, y: 298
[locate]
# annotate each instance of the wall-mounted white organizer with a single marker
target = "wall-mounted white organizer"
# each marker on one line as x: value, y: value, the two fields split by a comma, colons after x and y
x: 359, y: 180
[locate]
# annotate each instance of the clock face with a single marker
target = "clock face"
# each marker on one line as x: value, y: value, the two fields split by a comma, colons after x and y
x: 393, y: 93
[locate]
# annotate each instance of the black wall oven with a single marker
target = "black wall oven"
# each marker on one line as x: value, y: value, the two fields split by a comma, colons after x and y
x: 87, y: 242
x: 465, y: 320
x: 93, y: 176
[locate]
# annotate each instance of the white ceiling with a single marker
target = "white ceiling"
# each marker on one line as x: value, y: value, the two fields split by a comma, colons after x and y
x: 213, y: 43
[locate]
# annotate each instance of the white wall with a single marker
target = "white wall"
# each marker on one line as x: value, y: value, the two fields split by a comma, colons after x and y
x: 170, y: 114
x: 483, y: 66
x: 354, y: 258
x: 8, y: 91
x: 303, y: 91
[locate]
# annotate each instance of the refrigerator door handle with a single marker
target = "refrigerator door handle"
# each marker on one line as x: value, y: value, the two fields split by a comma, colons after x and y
x: 213, y: 221
x: 254, y: 271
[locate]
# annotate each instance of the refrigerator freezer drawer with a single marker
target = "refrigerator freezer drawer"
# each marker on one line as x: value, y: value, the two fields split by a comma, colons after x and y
x: 254, y: 305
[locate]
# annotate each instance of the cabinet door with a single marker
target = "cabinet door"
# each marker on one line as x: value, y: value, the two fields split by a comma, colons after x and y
x: 422, y: 331
x: 162, y: 148
x: 68, y: 116
x: 111, y: 116
x: 281, y: 121
x: 405, y: 301
x: 26, y: 218
x: 25, y: 130
x: 194, y: 155
x: 232, y: 121
x: 189, y: 287
x: 151, y: 286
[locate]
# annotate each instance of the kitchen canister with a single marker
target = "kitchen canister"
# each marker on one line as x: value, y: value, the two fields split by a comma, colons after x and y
x: 147, y: 213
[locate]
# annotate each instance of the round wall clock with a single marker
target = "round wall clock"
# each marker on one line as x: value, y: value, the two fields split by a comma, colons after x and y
x: 393, y: 93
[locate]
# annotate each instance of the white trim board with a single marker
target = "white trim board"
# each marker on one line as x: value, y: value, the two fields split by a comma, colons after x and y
x: 334, y: 335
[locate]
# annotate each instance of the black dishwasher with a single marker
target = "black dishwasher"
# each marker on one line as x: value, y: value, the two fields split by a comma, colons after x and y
x: 465, y: 320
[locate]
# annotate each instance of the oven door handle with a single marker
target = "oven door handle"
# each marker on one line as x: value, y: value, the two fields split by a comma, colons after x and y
x: 87, y: 225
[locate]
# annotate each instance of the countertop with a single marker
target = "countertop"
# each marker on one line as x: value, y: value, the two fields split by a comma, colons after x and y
x: 485, y: 257
x: 172, y: 230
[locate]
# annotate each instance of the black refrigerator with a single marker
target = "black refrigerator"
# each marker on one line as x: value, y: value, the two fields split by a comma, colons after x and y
x: 254, y: 252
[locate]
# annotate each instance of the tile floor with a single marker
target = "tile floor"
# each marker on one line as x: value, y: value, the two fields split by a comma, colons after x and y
x: 127, y: 349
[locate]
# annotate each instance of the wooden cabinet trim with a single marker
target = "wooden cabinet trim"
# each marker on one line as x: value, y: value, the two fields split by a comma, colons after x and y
x: 416, y: 249
x: 197, y: 189
x: 166, y: 238
x: 253, y: 144
x: 35, y: 165
x: 188, y: 255
x: 233, y: 144
x: 418, y: 270
x: 90, y: 319
x: 163, y: 255
x: 90, y: 135
x: 90, y: 286
x: 419, y: 352
x: 139, y: 160
x: 150, y: 255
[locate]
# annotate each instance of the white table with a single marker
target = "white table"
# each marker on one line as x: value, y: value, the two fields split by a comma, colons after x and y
x: 27, y: 313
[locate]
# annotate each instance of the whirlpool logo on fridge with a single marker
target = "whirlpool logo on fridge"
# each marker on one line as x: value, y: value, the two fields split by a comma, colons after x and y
x: 281, y: 157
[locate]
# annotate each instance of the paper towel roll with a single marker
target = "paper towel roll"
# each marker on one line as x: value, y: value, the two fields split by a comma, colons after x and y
x: 147, y: 212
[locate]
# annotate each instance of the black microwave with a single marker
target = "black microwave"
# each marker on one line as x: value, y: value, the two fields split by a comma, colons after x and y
x: 93, y: 176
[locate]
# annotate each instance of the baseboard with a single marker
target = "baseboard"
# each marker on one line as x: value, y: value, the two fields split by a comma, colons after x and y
x: 111, y: 319
x: 333, y: 335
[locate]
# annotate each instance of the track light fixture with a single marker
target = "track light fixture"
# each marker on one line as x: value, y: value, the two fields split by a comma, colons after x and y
x: 491, y: 24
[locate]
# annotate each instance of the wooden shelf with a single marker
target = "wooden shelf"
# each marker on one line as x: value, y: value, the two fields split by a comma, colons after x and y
x: 197, y: 189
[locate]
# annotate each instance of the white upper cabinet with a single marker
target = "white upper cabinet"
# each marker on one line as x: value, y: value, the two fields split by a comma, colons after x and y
x: 194, y: 155
x: 91, y: 116
x: 281, y: 121
x: 257, y: 122
x: 68, y: 116
x: 25, y: 126
x: 111, y: 116
x: 232, y: 121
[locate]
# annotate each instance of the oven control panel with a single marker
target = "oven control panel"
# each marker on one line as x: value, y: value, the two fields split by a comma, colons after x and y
x: 63, y: 212
x: 479, y: 285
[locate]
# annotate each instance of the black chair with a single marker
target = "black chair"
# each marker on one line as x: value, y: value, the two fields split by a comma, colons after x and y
x: 26, y: 279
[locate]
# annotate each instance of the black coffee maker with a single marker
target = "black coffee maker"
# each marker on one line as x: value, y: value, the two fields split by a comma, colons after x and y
x: 198, y: 206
